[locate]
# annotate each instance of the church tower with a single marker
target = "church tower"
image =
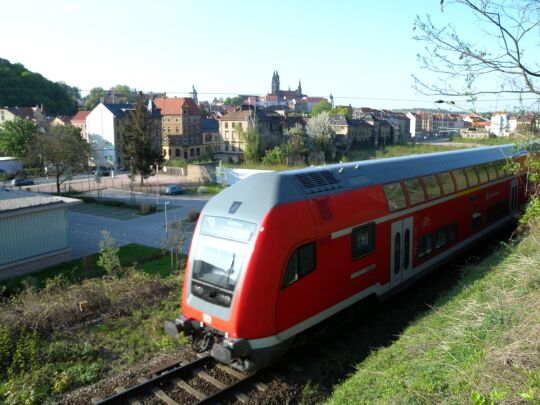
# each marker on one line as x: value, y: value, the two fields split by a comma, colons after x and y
x: 193, y: 95
x: 275, y: 83
x: 299, y: 90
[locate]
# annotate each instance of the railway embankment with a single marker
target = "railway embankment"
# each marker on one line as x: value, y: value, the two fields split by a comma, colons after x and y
x: 479, y: 343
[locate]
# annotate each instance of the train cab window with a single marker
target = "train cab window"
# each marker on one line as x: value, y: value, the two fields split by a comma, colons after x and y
x: 424, y: 248
x: 501, y: 168
x: 452, y: 232
x: 447, y: 183
x: 476, y: 221
x: 416, y: 191
x: 395, y: 196
x: 301, y: 262
x: 363, y: 240
x: 491, y: 171
x: 471, y: 176
x: 482, y: 174
x: 461, y: 180
x: 440, y: 238
x: 432, y: 187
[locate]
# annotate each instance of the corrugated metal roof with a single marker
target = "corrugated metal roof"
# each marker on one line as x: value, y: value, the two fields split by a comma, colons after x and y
x: 15, y: 200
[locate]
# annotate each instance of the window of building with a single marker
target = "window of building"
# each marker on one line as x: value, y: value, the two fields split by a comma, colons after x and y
x: 440, y: 238
x: 177, y: 152
x: 471, y: 176
x: 395, y: 196
x: 461, y: 180
x: 491, y: 171
x: 363, y: 240
x: 301, y: 263
x: 198, y: 151
x: 165, y: 152
x: 482, y: 174
x: 185, y: 154
x: 476, y: 221
x: 226, y: 125
x: 424, y: 247
x: 447, y: 183
x: 226, y: 134
x: 191, y: 152
x: 432, y: 187
x: 415, y: 190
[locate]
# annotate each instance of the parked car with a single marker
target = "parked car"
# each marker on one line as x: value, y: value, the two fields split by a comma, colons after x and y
x: 21, y: 181
x: 103, y: 171
x: 173, y: 190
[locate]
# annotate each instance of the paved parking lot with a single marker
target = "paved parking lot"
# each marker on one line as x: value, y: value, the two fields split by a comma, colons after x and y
x: 87, y: 222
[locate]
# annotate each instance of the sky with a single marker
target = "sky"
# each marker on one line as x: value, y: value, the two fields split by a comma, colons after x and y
x: 362, y: 52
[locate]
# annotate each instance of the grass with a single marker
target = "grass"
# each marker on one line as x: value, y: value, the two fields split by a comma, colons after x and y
x: 479, y: 344
x: 86, y: 267
x: 395, y: 150
x: 488, y: 141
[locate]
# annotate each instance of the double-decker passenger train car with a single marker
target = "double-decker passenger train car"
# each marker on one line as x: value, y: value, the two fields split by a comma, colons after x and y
x: 277, y: 253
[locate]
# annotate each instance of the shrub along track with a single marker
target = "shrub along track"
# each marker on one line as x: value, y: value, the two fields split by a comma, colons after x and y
x: 309, y: 373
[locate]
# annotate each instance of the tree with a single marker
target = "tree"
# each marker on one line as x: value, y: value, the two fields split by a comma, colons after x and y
x: 296, y: 142
x: 94, y: 98
x: 319, y: 108
x: 123, y: 90
x: 253, y: 147
x: 340, y: 110
x: 505, y: 56
x: 63, y: 151
x: 108, y: 254
x: 275, y: 156
x: 137, y: 146
x: 73, y: 92
x: 237, y: 100
x: 321, y: 135
x: 16, y: 137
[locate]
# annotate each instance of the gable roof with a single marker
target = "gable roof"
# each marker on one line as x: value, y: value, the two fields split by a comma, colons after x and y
x: 80, y: 117
x: 210, y: 125
x: 174, y: 105
x: 119, y: 110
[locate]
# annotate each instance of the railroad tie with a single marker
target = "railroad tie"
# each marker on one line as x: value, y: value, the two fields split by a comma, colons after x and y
x: 243, y: 398
x: 208, y: 378
x: 160, y: 394
x: 188, y: 388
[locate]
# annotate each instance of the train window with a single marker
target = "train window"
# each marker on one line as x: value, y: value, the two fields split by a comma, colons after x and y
x: 491, y: 171
x: 406, y: 248
x: 416, y: 191
x: 363, y: 241
x: 476, y: 222
x: 471, y: 175
x: 440, y: 238
x: 501, y: 168
x: 461, y: 180
x: 482, y: 174
x: 425, y: 246
x: 447, y: 183
x: 395, y: 196
x: 452, y: 232
x: 301, y: 262
x: 432, y: 187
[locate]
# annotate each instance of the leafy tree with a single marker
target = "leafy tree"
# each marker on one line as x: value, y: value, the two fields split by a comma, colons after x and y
x: 16, y: 137
x: 23, y: 88
x: 340, y: 110
x: 321, y: 135
x: 73, y: 92
x: 63, y: 151
x: 296, y: 142
x: 505, y: 56
x: 319, y: 108
x: 139, y: 152
x: 237, y: 100
x: 253, y: 147
x: 108, y: 254
x: 123, y: 90
x: 94, y: 97
x: 276, y: 156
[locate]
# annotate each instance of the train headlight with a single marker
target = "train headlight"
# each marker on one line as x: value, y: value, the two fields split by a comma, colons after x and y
x: 197, y: 289
x: 224, y: 299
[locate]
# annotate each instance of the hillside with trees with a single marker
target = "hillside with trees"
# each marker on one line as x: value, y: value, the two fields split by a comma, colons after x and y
x: 21, y: 87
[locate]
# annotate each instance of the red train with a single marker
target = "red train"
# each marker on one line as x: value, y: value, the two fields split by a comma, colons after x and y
x: 277, y: 253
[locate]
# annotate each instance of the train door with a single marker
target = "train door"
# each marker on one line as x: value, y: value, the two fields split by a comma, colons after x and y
x: 401, y: 251
x: 514, y: 195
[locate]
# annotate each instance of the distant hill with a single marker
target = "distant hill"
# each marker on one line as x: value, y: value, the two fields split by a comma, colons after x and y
x: 23, y: 88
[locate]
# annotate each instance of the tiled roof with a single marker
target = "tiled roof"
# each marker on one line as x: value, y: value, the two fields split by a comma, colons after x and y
x: 210, y: 125
x: 174, y: 105
x: 241, y: 115
x: 119, y: 110
x: 80, y: 117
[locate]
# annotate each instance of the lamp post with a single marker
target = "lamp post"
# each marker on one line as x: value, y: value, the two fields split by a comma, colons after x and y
x: 166, y: 222
x: 157, y: 185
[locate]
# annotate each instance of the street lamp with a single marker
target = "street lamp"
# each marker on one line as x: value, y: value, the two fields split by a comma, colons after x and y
x: 166, y: 222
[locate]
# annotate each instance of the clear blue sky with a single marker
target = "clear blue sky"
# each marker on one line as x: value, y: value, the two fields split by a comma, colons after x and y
x: 360, y: 51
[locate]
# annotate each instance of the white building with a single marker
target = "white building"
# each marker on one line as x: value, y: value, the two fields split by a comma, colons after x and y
x: 500, y: 125
x: 103, y: 125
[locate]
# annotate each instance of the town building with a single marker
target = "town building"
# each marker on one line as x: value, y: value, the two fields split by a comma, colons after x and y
x: 212, y: 140
x: 35, y: 114
x: 37, y: 226
x: 79, y: 121
x: 181, y: 135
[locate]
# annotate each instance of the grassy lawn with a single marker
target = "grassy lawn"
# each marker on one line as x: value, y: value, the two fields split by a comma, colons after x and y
x: 488, y: 141
x: 480, y: 343
x: 86, y: 267
x: 395, y: 150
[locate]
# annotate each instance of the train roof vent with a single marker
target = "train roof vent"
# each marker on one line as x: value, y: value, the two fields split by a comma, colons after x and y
x: 316, y: 182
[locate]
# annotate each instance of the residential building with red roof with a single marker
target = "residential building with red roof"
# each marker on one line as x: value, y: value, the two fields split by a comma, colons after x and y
x: 79, y: 121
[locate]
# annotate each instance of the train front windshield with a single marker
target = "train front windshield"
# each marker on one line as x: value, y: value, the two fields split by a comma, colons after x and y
x: 221, y: 248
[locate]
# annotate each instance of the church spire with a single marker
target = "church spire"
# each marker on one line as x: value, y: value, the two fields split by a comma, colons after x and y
x: 275, y: 83
x: 194, y: 95
x: 299, y: 90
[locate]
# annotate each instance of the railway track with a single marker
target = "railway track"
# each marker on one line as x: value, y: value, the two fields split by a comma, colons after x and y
x: 202, y: 381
